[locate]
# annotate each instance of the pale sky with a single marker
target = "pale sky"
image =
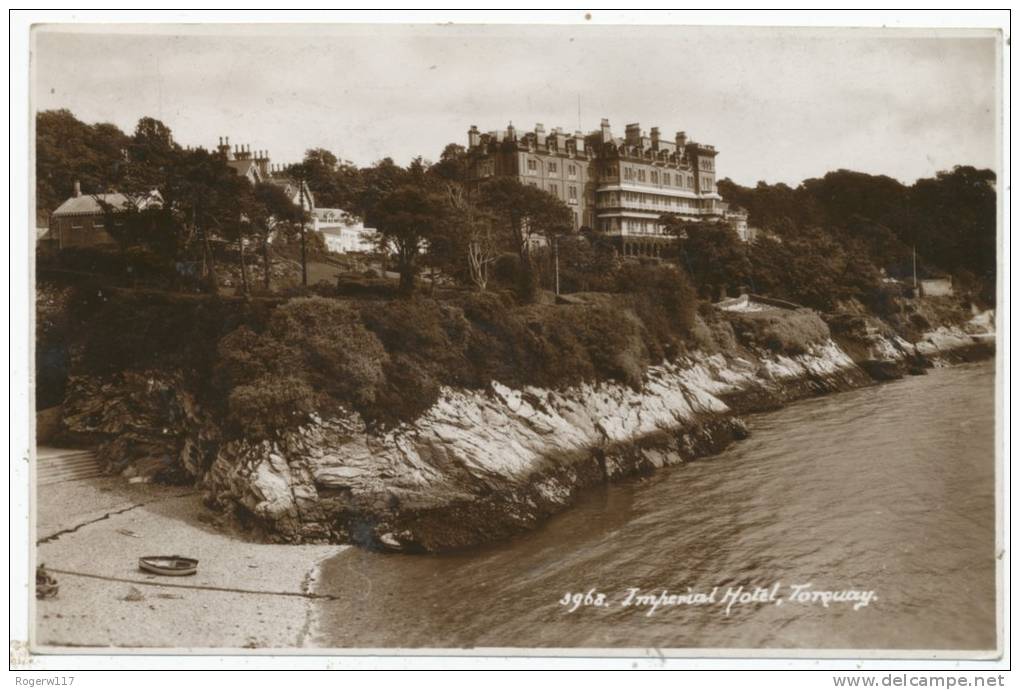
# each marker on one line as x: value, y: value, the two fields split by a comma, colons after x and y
x: 780, y: 105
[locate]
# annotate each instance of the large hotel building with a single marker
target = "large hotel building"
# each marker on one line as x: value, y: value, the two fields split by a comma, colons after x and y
x: 616, y: 186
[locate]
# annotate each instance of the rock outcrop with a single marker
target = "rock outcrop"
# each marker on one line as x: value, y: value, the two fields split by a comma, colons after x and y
x: 145, y: 424
x: 483, y: 465
x: 478, y: 465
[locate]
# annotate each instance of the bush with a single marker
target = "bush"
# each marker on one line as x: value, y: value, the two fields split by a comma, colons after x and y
x: 268, y: 404
x: 339, y: 355
x: 500, y: 345
x: 611, y: 336
x: 664, y: 301
x: 407, y: 391
x: 319, y: 345
x: 561, y: 357
x: 790, y: 332
x: 412, y: 326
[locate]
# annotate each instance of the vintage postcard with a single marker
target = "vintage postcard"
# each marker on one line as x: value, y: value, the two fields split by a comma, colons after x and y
x: 516, y: 338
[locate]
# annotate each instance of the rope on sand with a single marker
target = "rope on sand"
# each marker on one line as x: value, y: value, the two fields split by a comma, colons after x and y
x: 212, y: 588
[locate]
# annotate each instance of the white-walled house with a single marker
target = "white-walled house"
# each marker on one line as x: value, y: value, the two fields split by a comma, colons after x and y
x: 343, y: 232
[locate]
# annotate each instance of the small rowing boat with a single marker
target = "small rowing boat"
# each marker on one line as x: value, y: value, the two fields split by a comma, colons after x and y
x: 168, y: 565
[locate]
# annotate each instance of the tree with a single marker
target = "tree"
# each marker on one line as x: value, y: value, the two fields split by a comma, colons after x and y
x: 453, y: 164
x: 271, y: 211
x: 301, y: 174
x: 203, y: 193
x: 523, y: 214
x: 954, y: 223
x: 243, y: 229
x: 711, y: 253
x: 467, y: 244
x: 153, y: 157
x: 407, y: 218
x: 376, y: 181
x: 335, y: 183
x: 68, y: 150
x: 587, y: 263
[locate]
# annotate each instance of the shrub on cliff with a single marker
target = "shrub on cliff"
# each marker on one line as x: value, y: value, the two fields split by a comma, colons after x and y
x: 413, y: 326
x: 425, y: 341
x: 500, y: 345
x: 664, y: 300
x: 269, y: 404
x: 789, y: 332
x: 319, y: 345
x: 612, y: 339
x: 338, y: 354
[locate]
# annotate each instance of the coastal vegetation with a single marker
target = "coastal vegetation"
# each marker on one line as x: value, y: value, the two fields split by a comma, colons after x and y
x: 460, y: 291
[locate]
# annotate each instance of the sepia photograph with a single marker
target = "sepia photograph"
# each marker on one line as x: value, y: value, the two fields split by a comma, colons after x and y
x: 522, y: 338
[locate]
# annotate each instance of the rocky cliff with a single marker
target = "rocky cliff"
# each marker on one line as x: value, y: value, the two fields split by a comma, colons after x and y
x: 478, y: 465
x: 482, y: 465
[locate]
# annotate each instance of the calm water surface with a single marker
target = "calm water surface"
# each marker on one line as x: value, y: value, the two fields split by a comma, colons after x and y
x: 889, y: 488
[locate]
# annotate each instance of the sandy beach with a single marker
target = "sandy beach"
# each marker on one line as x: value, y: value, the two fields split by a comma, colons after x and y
x: 90, y: 534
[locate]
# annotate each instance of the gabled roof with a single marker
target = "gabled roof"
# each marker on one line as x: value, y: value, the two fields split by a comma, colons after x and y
x: 290, y: 186
x: 246, y: 167
x: 90, y: 204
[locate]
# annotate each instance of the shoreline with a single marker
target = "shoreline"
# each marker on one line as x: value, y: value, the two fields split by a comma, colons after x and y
x: 739, y: 403
x: 90, y: 533
x: 596, y: 520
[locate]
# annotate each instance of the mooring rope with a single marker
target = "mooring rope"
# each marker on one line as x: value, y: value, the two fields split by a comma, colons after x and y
x: 212, y: 588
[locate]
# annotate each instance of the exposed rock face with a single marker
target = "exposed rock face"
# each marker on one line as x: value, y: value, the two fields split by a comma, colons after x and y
x: 147, y: 423
x: 477, y: 466
x: 482, y: 465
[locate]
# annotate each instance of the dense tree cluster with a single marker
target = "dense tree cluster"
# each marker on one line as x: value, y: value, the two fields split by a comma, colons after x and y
x: 268, y: 363
x: 68, y: 150
x: 205, y: 203
x: 827, y: 240
x: 832, y: 236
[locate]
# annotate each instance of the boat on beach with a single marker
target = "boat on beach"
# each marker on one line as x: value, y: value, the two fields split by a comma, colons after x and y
x: 168, y: 565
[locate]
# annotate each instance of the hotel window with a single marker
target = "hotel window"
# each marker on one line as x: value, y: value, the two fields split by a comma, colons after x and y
x: 665, y: 178
x: 641, y: 175
x: 532, y: 166
x: 554, y: 190
x: 552, y: 167
x: 628, y: 174
x: 573, y: 192
x: 655, y: 177
x: 572, y: 170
